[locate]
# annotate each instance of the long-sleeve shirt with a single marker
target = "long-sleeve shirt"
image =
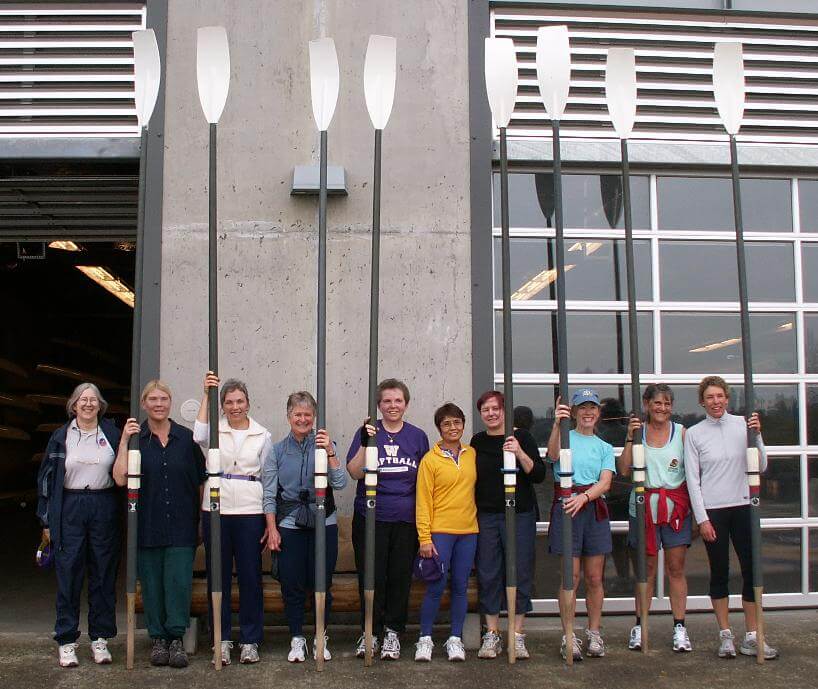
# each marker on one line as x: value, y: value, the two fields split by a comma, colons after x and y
x: 715, y: 453
x: 445, y: 494
x: 290, y: 468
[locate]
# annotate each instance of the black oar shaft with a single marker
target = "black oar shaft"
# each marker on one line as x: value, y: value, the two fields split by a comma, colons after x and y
x: 509, y: 462
x: 214, y: 466
x: 370, y: 468
x: 134, y: 459
x: 637, y: 450
x: 753, y: 469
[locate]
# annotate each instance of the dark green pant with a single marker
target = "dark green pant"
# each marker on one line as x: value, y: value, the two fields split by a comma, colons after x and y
x: 166, y: 575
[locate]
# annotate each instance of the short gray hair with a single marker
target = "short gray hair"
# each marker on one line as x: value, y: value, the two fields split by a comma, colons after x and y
x: 82, y: 387
x: 301, y: 399
x: 231, y: 385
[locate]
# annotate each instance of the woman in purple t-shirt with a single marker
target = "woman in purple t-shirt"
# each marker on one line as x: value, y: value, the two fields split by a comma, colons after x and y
x: 400, y: 449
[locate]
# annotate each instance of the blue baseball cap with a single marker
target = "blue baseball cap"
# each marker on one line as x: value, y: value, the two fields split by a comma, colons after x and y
x: 584, y: 395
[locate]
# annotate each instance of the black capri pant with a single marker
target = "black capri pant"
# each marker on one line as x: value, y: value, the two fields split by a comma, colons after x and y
x: 731, y: 524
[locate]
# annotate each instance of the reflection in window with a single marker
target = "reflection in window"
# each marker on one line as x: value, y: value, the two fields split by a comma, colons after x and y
x: 811, y: 342
x: 706, y: 203
x: 701, y: 342
x: 812, y: 486
x: 589, y: 201
x: 809, y: 271
x: 595, y: 269
x: 812, y: 414
x: 808, y: 204
x: 597, y: 341
x: 706, y: 271
x: 781, y: 488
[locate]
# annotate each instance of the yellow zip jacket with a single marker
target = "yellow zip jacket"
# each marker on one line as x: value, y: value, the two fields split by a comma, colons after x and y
x: 445, y: 494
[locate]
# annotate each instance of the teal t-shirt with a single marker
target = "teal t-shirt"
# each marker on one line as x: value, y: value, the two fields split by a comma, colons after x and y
x: 591, y: 456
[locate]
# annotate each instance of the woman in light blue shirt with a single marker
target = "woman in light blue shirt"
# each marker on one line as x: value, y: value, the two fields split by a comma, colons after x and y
x: 594, y: 468
x: 289, y: 507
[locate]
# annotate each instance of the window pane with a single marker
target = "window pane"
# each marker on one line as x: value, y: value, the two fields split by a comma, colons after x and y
x: 589, y: 201
x: 597, y: 341
x: 597, y: 269
x: 812, y: 486
x: 812, y: 414
x: 813, y: 559
x: 706, y: 271
x: 781, y: 488
x: 809, y: 271
x: 766, y: 204
x: 711, y: 342
x: 778, y: 405
x: 811, y: 342
x: 808, y: 204
x: 780, y: 562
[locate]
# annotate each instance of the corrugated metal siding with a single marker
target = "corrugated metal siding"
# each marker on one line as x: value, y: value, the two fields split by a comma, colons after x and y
x: 674, y: 70
x: 67, y: 68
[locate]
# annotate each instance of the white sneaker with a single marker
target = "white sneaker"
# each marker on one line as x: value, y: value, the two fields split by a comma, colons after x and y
x: 99, y: 649
x: 423, y: 649
x: 519, y: 647
x: 227, y: 646
x: 360, y: 648
x: 727, y: 649
x: 327, y: 654
x: 455, y: 649
x: 298, y: 650
x: 68, y: 655
x: 681, y: 641
x: 249, y: 654
x: 492, y: 645
x: 749, y: 647
x: 635, y: 640
x: 577, y: 648
x: 391, y: 645
x: 596, y: 646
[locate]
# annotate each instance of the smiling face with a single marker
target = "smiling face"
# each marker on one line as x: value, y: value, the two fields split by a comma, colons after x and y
x: 301, y: 418
x: 392, y: 405
x: 715, y: 401
x: 493, y: 414
x: 235, y: 407
x: 586, y: 415
x: 659, y: 409
x: 451, y: 430
x: 87, y: 407
x: 157, y: 405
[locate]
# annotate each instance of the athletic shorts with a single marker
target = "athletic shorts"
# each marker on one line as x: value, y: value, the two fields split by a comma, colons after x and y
x: 666, y: 537
x: 590, y: 537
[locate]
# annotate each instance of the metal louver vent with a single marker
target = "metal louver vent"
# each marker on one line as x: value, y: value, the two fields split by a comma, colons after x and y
x: 674, y: 54
x: 66, y: 69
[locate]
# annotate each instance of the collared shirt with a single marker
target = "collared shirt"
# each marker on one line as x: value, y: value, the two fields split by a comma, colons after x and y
x: 89, y: 458
x: 169, y: 494
x: 715, y: 453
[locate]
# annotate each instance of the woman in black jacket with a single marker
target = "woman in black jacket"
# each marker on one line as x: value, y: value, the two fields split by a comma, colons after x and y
x: 491, y: 546
x: 78, y: 506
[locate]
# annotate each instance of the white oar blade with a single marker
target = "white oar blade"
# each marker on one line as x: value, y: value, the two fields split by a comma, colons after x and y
x: 212, y: 70
x: 728, y: 84
x: 554, y: 68
x: 324, y: 81
x: 501, y: 78
x: 147, y: 74
x: 620, y: 90
x: 380, y: 70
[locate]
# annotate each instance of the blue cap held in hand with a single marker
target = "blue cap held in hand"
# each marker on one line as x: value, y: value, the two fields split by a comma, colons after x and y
x: 428, y: 569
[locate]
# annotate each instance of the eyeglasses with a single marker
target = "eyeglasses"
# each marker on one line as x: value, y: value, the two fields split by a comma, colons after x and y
x: 88, y: 400
x: 452, y: 423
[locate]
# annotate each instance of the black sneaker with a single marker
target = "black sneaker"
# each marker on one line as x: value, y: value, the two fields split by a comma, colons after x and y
x: 176, y: 653
x: 159, y: 652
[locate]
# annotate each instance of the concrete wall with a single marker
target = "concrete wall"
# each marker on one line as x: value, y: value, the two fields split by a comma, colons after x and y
x: 268, y: 239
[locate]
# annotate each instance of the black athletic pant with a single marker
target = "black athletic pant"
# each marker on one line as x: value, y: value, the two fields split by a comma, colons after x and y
x: 396, y: 544
x: 731, y: 524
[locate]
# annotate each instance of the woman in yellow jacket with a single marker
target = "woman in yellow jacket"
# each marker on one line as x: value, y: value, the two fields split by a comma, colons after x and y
x: 446, y: 516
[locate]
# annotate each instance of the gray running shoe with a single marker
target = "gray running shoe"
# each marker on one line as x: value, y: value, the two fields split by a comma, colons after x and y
x: 681, y: 641
x: 596, y: 646
x: 491, y: 646
x: 749, y: 647
x: 249, y: 654
x: 577, y: 649
x: 159, y: 653
x: 391, y: 645
x: 727, y: 647
x: 177, y: 656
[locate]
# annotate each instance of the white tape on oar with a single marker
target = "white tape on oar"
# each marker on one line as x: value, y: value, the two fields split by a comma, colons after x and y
x: 380, y: 70
x: 554, y: 68
x: 147, y: 74
x: 566, y: 469
x: 753, y: 464
x: 212, y: 70
x: 620, y: 90
x: 320, y: 467
x: 214, y: 468
x: 509, y: 468
x: 639, y: 471
x: 134, y: 468
x: 501, y: 79
x: 325, y: 81
x: 371, y: 476
x: 728, y: 84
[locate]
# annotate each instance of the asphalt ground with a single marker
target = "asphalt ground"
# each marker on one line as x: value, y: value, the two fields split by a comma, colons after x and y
x: 29, y: 659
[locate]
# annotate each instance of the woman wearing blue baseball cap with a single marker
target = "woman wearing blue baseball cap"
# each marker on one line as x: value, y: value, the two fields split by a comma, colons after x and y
x: 594, y: 468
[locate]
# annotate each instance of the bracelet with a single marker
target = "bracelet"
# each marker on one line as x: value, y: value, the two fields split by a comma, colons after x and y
x: 628, y: 440
x: 587, y: 496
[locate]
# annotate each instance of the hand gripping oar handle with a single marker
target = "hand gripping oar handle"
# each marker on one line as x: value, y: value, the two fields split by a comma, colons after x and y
x: 371, y: 490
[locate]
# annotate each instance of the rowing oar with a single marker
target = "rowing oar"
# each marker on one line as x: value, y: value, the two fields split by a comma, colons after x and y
x: 554, y: 77
x: 324, y: 84
x: 620, y: 93
x: 147, y: 75
x: 728, y: 88
x: 213, y: 77
x: 380, y: 70
x: 501, y: 88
